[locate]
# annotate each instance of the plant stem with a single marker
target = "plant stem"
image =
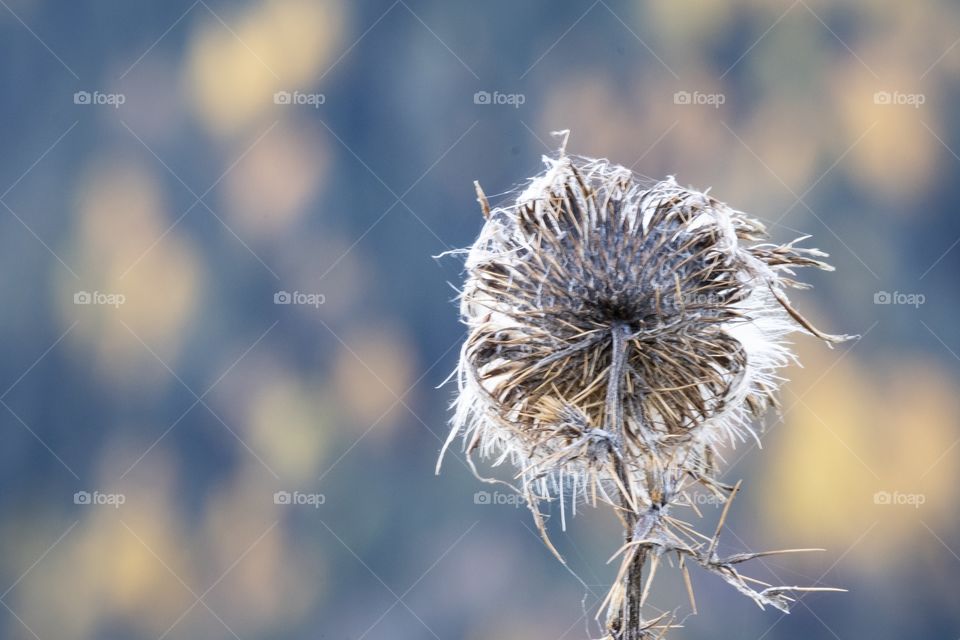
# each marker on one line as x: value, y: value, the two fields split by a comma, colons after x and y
x: 627, y: 623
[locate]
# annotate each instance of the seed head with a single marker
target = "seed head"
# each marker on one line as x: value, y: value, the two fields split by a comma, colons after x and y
x: 619, y: 333
x: 608, y: 317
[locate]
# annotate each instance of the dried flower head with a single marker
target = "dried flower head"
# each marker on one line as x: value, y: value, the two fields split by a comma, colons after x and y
x: 619, y: 333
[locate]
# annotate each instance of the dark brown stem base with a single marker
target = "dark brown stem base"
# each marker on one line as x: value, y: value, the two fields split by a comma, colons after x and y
x: 631, y: 606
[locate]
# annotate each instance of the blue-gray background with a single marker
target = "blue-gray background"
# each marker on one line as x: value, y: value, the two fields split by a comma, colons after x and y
x: 147, y: 163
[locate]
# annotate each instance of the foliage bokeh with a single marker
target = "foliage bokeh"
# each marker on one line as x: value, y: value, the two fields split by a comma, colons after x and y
x: 198, y: 398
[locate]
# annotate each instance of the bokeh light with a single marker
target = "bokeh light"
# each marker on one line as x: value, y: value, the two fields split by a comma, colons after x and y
x: 226, y: 328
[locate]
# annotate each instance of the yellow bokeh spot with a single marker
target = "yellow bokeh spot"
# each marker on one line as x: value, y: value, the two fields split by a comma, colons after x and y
x: 287, y: 428
x: 855, y: 438
x: 882, y: 119
x: 371, y: 374
x: 268, y: 191
x: 276, y: 45
x: 115, y: 563
x: 272, y: 574
x: 686, y: 22
x: 125, y: 250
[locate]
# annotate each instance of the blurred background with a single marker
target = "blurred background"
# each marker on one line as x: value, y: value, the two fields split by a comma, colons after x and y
x: 225, y: 328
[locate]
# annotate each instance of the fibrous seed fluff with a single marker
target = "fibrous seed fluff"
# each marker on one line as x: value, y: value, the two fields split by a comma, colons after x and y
x: 619, y: 334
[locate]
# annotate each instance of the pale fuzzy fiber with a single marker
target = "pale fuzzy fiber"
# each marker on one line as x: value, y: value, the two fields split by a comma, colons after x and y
x: 537, y: 225
x: 619, y: 332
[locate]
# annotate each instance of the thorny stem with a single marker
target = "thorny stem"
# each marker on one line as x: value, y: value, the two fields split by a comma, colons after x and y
x: 631, y: 616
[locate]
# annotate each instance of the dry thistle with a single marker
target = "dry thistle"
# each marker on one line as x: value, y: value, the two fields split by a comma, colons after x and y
x: 618, y: 335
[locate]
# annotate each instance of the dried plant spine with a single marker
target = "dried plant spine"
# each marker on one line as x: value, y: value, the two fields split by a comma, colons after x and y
x: 619, y: 334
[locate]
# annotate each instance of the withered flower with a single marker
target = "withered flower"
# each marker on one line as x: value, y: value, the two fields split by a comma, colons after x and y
x: 619, y: 334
